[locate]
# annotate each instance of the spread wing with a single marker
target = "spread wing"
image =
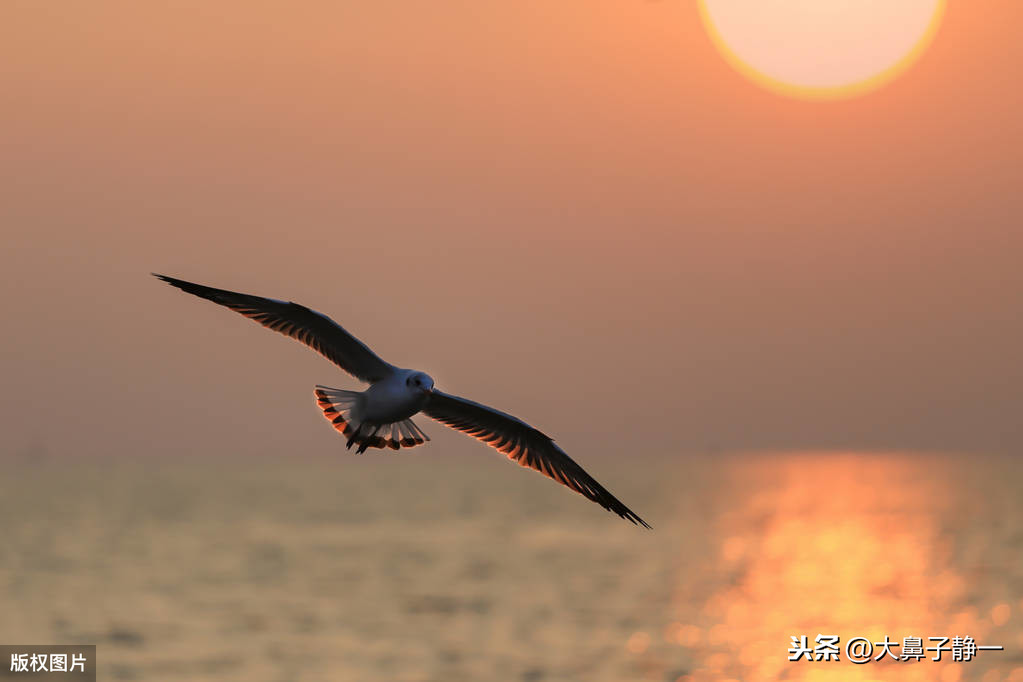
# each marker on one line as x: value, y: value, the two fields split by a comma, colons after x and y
x: 317, y: 331
x: 523, y: 444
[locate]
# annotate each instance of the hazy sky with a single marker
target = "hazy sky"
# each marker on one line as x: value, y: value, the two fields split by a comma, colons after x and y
x: 576, y: 211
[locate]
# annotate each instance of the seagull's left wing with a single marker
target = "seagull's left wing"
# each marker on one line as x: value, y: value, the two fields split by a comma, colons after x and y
x: 524, y: 444
x: 314, y: 329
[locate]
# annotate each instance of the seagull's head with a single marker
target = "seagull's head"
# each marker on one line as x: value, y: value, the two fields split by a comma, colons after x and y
x: 420, y: 381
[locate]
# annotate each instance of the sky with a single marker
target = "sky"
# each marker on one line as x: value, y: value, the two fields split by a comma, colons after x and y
x: 575, y: 211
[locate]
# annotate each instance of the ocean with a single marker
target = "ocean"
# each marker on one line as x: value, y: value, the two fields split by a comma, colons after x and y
x: 429, y: 567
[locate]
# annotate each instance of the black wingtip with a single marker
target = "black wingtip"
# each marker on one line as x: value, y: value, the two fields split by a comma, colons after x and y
x: 173, y: 281
x: 630, y: 515
x: 200, y: 290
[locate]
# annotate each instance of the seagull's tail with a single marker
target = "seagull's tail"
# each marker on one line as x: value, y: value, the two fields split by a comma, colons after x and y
x: 337, y: 406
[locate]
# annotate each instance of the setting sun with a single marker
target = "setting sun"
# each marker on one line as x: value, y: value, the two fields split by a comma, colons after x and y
x: 821, y: 48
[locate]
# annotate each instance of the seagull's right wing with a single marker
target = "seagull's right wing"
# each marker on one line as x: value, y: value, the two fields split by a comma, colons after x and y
x: 313, y: 329
x: 524, y: 444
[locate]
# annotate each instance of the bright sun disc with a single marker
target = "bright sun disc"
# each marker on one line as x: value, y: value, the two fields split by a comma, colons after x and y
x: 821, y: 48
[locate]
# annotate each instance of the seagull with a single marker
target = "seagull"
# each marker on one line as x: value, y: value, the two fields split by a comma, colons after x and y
x: 380, y: 416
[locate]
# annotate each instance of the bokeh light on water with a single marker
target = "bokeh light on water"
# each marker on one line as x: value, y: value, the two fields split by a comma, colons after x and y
x: 443, y: 568
x: 855, y: 545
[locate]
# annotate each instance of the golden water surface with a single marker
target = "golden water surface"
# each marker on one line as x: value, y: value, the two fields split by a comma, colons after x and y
x: 456, y: 568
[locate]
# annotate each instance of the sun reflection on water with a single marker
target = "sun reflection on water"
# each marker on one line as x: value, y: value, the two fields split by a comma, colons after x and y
x: 833, y: 544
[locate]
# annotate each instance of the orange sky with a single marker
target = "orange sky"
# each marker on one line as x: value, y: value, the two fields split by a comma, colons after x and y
x: 575, y: 211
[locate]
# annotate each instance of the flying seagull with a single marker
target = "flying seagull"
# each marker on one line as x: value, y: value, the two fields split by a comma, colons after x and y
x: 380, y: 416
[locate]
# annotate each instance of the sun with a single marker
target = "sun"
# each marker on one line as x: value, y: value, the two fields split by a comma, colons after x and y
x: 822, y: 49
